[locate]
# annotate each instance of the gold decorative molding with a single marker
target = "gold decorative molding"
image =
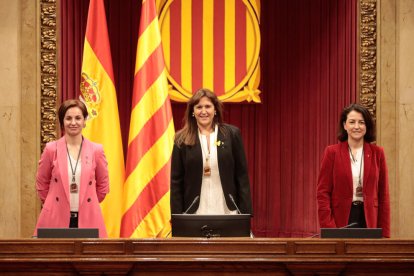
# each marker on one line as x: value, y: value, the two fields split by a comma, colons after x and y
x: 48, y: 71
x: 368, y: 54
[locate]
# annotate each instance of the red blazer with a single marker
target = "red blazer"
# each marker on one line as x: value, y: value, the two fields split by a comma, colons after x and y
x: 335, y: 188
x: 53, y: 188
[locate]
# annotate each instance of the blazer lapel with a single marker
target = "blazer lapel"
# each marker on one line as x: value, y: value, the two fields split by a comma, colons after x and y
x: 197, y: 153
x: 346, y: 161
x: 62, y: 159
x: 86, y: 163
x: 367, y: 162
x: 220, y: 152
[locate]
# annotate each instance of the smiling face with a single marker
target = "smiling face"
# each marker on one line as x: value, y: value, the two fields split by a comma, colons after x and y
x: 74, y: 121
x: 355, y: 126
x: 204, y: 113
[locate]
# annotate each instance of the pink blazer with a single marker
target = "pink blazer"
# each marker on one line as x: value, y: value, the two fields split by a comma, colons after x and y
x: 52, y: 185
x: 335, y: 189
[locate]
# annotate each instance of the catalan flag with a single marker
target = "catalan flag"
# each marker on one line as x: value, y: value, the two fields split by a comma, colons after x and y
x: 151, y: 134
x: 98, y: 93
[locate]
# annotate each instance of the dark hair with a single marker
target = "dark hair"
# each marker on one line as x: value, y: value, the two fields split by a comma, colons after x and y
x: 188, y: 134
x: 369, y: 123
x: 69, y: 104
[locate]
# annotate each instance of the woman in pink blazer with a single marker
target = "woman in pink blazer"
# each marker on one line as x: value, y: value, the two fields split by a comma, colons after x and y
x: 72, y: 178
x: 353, y: 180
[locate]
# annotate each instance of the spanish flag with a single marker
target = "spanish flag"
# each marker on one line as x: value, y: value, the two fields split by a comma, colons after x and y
x: 99, y: 94
x: 151, y: 136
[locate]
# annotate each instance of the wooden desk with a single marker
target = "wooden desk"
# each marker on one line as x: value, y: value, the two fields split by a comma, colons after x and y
x: 183, y: 256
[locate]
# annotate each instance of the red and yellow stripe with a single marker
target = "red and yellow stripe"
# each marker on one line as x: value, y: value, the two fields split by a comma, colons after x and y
x: 146, y: 189
x: 104, y: 128
x: 211, y: 43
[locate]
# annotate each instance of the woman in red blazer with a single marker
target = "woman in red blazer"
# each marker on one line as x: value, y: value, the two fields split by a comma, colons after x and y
x: 72, y: 178
x: 353, y: 180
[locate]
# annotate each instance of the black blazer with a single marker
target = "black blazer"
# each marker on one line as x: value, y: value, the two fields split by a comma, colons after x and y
x: 187, y: 170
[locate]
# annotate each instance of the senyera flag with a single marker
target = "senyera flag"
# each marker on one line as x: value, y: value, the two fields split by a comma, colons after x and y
x: 99, y: 94
x: 147, y: 190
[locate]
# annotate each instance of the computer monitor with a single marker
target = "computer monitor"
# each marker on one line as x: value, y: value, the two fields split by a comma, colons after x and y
x: 192, y: 225
x: 352, y: 233
x: 68, y: 233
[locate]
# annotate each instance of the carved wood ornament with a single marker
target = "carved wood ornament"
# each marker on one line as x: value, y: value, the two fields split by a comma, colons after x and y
x: 48, y: 66
x: 368, y: 54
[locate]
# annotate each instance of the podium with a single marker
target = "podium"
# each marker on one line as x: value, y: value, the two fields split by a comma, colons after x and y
x: 202, y: 256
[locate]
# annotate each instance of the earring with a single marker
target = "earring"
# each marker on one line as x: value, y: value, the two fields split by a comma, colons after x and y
x: 215, y: 113
x: 193, y: 114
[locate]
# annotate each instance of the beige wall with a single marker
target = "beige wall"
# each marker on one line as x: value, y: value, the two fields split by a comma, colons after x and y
x: 18, y: 130
x: 396, y: 107
x: 10, y: 88
x: 19, y: 111
x: 405, y: 111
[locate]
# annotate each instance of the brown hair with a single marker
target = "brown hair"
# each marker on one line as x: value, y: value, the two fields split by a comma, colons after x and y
x: 369, y: 123
x: 69, y: 104
x: 188, y: 134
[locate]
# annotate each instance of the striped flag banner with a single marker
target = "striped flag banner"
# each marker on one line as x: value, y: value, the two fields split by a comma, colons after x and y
x: 151, y: 136
x: 99, y: 94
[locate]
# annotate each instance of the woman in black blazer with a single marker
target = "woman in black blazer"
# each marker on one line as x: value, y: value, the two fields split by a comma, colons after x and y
x: 208, y: 169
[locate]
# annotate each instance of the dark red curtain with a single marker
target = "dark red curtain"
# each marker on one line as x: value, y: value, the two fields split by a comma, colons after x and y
x: 309, y: 73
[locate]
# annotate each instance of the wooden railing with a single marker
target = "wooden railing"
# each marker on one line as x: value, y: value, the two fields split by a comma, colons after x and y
x: 206, y: 256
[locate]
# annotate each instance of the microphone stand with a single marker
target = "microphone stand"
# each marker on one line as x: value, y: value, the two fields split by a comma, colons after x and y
x: 192, y: 204
x: 343, y: 227
x: 234, y: 203
x: 186, y: 211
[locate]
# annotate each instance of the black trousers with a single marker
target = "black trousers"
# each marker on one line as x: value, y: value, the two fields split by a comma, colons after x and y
x: 73, y: 223
x: 357, y: 215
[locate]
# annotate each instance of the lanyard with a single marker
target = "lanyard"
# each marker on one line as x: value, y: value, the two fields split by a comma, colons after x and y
x: 360, y: 165
x: 77, y: 160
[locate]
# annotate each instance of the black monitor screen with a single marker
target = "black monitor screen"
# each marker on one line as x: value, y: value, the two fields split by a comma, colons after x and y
x: 68, y: 233
x: 192, y: 225
x: 352, y: 233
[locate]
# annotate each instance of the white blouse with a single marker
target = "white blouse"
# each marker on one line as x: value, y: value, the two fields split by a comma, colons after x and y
x: 212, y: 200
x: 357, y: 168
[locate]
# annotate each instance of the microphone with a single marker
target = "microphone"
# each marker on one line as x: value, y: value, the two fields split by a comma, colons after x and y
x: 349, y: 225
x: 343, y: 227
x: 315, y: 235
x: 192, y: 204
x: 234, y: 203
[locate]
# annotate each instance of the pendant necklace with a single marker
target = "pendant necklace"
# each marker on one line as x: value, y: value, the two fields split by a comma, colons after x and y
x: 206, y: 167
x: 73, y: 186
x: 358, y: 191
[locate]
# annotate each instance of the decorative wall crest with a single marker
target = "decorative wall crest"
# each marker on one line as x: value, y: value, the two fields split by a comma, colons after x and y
x: 223, y: 57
